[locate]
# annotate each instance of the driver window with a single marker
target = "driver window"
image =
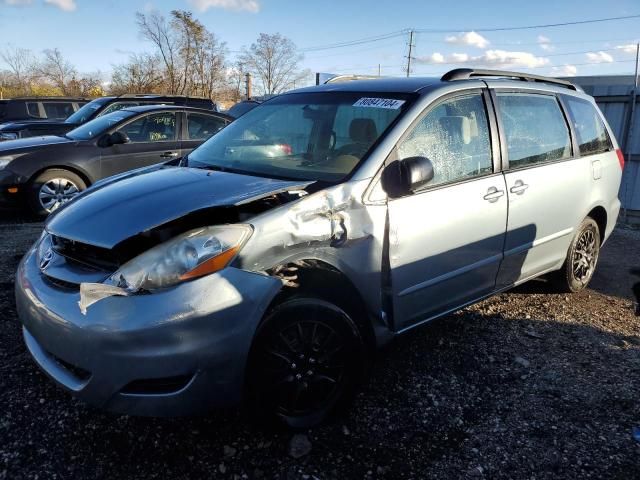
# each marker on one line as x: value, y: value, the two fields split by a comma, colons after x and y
x: 158, y: 127
x: 455, y: 137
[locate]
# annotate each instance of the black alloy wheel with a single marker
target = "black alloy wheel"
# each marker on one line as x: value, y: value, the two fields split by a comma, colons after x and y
x: 305, y: 363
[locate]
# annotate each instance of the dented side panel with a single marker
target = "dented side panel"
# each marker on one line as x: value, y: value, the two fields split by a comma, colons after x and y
x: 334, y: 226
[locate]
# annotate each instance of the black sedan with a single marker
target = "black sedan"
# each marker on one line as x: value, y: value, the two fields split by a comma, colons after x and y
x: 49, y: 171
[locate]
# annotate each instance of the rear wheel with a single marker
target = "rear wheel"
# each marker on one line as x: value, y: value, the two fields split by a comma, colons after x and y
x: 582, y: 258
x: 305, y: 364
x: 52, y: 189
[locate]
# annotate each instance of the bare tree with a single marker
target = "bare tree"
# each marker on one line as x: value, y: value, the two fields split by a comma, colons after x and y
x: 274, y: 62
x: 141, y: 74
x: 155, y: 28
x: 57, y: 70
x: 21, y: 67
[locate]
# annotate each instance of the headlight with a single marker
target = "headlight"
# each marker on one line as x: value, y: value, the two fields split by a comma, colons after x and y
x: 45, y: 247
x: 8, y: 136
x: 191, y: 255
x: 4, y: 161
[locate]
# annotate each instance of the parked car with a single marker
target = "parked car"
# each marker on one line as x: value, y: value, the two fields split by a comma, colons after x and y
x: 38, y: 108
x: 95, y: 108
x: 242, y: 107
x: 271, y: 279
x: 48, y: 171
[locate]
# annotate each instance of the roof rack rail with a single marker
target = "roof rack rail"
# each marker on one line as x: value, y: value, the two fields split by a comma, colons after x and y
x: 467, y: 73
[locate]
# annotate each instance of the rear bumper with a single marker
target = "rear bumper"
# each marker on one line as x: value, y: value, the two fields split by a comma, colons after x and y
x: 199, y: 332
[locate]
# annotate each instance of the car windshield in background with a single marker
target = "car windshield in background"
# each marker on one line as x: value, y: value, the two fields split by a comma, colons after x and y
x: 99, y: 125
x: 307, y: 136
x: 86, y: 112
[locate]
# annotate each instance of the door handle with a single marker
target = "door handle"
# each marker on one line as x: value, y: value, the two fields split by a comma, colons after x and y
x: 519, y: 187
x: 493, y: 194
x: 169, y: 155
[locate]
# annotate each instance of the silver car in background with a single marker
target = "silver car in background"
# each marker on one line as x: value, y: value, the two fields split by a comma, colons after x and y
x: 268, y: 265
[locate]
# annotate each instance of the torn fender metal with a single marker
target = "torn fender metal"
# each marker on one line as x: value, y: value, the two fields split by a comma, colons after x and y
x: 108, y: 216
x: 334, y: 226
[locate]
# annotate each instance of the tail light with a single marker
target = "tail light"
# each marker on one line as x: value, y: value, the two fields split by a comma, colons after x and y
x: 620, y: 158
x: 286, y: 149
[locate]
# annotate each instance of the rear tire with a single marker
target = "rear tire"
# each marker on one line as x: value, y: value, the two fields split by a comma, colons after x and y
x: 53, y: 188
x: 305, y: 364
x: 582, y: 258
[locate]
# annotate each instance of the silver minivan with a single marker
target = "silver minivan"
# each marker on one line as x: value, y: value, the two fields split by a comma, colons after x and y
x: 267, y: 265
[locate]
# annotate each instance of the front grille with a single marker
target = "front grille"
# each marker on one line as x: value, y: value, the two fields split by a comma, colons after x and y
x: 56, y: 282
x: 87, y: 255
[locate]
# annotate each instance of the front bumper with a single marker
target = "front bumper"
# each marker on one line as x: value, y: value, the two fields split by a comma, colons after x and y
x: 9, y: 179
x: 199, y: 331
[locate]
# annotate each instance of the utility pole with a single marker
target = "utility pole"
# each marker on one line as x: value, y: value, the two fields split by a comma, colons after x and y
x: 248, y: 86
x: 409, y: 57
x: 378, y: 69
x: 635, y: 78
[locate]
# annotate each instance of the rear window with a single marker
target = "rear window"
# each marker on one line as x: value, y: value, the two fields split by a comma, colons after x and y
x: 57, y: 110
x: 535, y: 128
x: 33, y: 109
x: 589, y: 127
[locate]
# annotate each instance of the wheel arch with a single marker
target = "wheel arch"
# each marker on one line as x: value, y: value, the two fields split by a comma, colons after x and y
x: 86, y: 178
x: 599, y: 215
x: 318, y: 278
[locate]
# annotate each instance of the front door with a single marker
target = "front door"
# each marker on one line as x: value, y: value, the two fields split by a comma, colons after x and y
x: 153, y: 139
x: 446, y: 242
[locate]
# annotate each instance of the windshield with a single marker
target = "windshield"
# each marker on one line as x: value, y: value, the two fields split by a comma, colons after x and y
x: 306, y: 136
x: 98, y: 126
x: 87, y: 111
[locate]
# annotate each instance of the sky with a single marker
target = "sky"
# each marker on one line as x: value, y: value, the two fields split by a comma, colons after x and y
x: 97, y: 34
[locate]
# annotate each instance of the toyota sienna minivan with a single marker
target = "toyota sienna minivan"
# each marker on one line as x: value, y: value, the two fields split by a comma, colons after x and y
x: 267, y: 265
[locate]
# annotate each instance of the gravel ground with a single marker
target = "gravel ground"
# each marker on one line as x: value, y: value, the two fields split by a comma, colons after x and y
x: 528, y: 384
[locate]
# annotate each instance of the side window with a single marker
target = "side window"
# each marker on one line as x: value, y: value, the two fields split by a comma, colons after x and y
x: 201, y: 126
x: 455, y: 137
x: 57, y: 110
x: 157, y: 127
x: 33, y: 109
x: 587, y: 123
x: 114, y: 107
x: 534, y: 127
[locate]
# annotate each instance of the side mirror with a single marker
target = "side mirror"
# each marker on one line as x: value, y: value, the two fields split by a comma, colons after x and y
x: 403, y: 177
x: 118, y: 138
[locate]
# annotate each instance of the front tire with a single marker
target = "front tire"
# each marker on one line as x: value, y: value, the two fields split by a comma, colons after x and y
x: 52, y: 189
x: 582, y: 258
x: 305, y: 364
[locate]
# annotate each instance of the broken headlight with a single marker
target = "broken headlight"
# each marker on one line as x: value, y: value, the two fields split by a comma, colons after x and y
x: 191, y: 255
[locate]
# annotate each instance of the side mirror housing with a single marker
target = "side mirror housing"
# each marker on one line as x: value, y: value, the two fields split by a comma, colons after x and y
x: 118, y: 138
x: 403, y: 177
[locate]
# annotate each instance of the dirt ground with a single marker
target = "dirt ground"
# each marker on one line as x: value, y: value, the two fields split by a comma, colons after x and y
x: 529, y: 384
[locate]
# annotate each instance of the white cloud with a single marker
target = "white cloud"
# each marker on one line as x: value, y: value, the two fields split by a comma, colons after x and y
x: 66, y: 5
x: 436, y: 58
x: 599, y: 57
x: 468, y: 38
x: 490, y: 58
x: 545, y: 43
x: 628, y: 48
x: 564, y: 71
x: 252, y: 6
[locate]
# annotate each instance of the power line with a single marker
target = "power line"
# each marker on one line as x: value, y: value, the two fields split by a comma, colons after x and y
x: 527, y: 27
x: 399, y: 33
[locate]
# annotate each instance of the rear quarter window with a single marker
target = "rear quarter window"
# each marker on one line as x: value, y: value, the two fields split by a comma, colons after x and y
x: 3, y: 110
x: 587, y: 123
x: 33, y: 109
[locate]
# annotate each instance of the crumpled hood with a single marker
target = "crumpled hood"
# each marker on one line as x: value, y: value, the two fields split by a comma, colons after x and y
x: 22, y: 144
x: 115, y: 211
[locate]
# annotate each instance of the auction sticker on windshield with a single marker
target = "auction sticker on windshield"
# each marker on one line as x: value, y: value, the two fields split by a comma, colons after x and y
x: 390, y: 103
